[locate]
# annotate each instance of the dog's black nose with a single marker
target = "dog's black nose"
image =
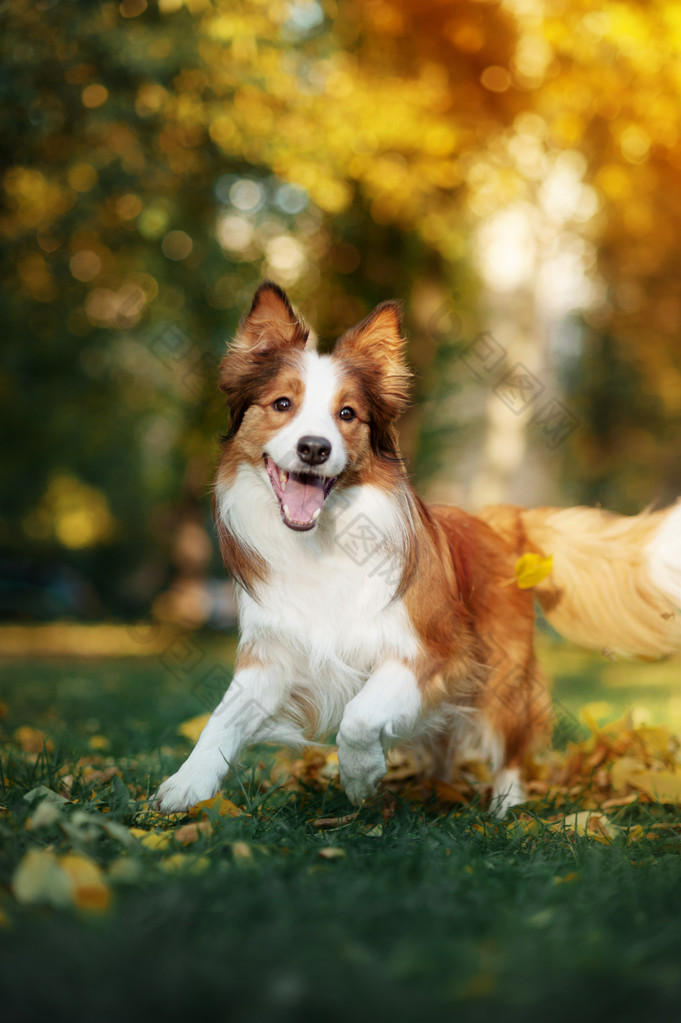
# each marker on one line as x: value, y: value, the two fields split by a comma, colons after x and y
x: 314, y: 450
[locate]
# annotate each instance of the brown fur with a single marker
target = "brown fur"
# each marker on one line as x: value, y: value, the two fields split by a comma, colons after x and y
x: 477, y: 631
x: 474, y: 623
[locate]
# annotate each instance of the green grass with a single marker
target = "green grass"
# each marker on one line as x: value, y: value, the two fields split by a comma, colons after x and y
x: 447, y: 917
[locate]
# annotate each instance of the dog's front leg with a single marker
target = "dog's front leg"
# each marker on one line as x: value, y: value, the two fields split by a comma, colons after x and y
x: 242, y: 716
x: 385, y: 709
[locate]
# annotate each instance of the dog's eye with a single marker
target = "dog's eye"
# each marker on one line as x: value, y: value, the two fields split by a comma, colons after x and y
x: 347, y: 413
x: 282, y: 404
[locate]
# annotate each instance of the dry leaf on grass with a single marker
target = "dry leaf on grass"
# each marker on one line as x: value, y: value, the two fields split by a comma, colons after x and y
x: 181, y: 863
x: 33, y: 740
x: 45, y: 816
x: 90, y: 891
x: 39, y: 879
x: 189, y: 833
x: 588, y: 823
x: 192, y: 728
x: 241, y: 851
x: 661, y: 786
x: 220, y: 805
x: 98, y: 742
x: 70, y: 880
x: 335, y: 822
x: 152, y: 839
x: 330, y: 852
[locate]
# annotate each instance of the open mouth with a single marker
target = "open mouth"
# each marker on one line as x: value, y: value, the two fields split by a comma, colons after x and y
x: 301, y: 495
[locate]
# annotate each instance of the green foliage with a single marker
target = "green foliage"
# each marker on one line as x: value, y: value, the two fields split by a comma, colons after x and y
x: 168, y: 154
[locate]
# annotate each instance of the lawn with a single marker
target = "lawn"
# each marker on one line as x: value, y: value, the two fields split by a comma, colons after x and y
x: 274, y: 903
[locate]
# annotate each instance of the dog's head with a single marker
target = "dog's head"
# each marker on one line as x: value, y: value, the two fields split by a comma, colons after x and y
x: 313, y: 422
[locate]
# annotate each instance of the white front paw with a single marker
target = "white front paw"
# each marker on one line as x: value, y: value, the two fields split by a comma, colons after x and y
x: 507, y: 792
x: 361, y: 769
x: 184, y: 789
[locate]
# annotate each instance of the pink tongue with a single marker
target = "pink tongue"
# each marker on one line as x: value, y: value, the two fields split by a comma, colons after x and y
x: 303, y: 498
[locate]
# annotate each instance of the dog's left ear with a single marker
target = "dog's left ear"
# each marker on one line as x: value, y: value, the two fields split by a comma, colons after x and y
x: 377, y: 347
x: 271, y: 323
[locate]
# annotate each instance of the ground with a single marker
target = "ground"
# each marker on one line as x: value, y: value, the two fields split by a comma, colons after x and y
x: 277, y: 902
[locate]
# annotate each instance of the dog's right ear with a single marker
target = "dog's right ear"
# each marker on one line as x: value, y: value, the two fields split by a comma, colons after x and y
x: 265, y: 338
x: 270, y: 324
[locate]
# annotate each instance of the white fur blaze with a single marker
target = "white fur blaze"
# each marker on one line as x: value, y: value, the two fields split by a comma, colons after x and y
x: 315, y: 416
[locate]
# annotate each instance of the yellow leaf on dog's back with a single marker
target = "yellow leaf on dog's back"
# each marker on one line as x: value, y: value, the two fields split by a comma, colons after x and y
x: 530, y: 569
x: 192, y: 728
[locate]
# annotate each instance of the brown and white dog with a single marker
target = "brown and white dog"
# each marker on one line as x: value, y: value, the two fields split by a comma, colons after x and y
x: 366, y: 613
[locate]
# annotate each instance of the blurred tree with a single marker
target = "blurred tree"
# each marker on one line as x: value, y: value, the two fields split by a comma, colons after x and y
x: 168, y: 154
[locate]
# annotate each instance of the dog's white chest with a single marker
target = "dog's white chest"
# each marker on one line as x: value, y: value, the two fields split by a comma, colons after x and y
x: 328, y: 611
x: 326, y: 632
x: 326, y: 615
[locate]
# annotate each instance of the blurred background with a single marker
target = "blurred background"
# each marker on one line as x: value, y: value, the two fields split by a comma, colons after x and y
x: 509, y: 170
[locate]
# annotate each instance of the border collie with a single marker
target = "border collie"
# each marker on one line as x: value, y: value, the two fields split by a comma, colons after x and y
x: 365, y: 612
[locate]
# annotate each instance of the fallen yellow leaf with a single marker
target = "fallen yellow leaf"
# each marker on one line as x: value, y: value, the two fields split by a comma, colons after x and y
x: 657, y: 740
x: 624, y: 772
x: 224, y: 807
x: 33, y: 740
x: 98, y: 742
x: 45, y: 815
x: 152, y: 839
x: 591, y: 713
x: 192, y: 728
x: 566, y: 878
x: 181, y: 862
x: 69, y: 880
x: 330, y: 852
x: 530, y: 569
x: 619, y: 801
x: 662, y: 786
x: 523, y: 826
x: 589, y: 823
x: 152, y: 816
x: 39, y: 878
x: 192, y: 832
x: 636, y: 833
x: 242, y: 851
x: 90, y: 891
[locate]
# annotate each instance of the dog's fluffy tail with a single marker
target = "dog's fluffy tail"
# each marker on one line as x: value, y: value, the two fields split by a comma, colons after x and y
x: 616, y: 581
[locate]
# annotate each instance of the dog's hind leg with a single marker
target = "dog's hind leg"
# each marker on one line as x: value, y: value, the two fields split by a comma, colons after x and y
x: 510, y: 715
x: 517, y: 711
